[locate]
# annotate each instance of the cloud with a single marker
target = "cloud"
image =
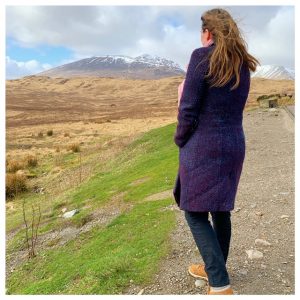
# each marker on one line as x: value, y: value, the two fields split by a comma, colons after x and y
x: 16, y: 69
x: 274, y: 43
x: 168, y: 31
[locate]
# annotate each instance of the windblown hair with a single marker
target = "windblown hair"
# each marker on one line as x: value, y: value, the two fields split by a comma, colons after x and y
x: 230, y: 50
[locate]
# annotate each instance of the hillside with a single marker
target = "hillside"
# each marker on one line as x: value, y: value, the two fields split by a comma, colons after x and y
x: 35, y: 100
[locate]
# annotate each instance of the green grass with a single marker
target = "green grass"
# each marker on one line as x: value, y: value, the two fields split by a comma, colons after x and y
x: 154, y: 155
x: 105, y: 259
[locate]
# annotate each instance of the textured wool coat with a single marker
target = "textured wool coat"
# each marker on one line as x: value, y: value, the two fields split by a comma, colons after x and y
x: 210, y: 138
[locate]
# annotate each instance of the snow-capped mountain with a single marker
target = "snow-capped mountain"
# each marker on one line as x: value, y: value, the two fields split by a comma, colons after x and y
x: 273, y: 72
x: 141, y: 67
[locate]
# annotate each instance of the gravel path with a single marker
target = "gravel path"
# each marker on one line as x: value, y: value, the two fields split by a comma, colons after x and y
x: 264, y: 209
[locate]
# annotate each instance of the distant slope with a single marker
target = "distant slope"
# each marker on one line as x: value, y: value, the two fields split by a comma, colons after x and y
x: 274, y: 72
x: 117, y: 66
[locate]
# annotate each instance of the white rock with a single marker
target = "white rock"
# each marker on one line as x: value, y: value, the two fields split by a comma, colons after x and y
x: 284, y: 216
x: 284, y: 193
x: 64, y: 210
x: 262, y: 242
x: 254, y: 254
x: 141, y: 292
x: 200, y: 283
x: 263, y: 266
x: 71, y: 213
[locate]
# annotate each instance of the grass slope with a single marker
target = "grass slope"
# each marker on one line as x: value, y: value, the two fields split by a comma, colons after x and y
x: 105, y: 259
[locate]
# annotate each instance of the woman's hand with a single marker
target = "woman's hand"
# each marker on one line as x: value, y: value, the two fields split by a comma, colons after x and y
x: 180, y: 89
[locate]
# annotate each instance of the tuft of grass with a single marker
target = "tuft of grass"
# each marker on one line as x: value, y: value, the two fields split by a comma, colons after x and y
x: 13, y: 165
x: 74, y: 147
x: 14, y: 184
x: 31, y: 160
x: 50, y: 132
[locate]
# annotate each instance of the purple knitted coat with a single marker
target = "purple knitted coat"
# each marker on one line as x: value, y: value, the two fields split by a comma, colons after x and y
x: 210, y: 138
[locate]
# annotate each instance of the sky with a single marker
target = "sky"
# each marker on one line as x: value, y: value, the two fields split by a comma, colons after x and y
x: 41, y: 37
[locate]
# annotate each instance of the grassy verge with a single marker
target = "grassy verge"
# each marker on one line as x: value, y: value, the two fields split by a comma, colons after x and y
x: 104, y: 260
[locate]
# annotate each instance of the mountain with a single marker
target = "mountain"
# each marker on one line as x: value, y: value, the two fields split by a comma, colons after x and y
x: 273, y: 72
x: 118, y: 66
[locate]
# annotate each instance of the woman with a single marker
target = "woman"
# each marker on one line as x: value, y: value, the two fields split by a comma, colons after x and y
x: 211, y: 142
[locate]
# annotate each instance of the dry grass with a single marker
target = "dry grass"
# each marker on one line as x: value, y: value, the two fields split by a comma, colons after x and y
x: 14, y: 184
x: 31, y: 160
x: 13, y: 165
x: 74, y: 147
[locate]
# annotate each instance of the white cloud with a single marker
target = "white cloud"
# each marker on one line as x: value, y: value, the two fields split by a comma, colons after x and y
x: 275, y: 42
x: 16, y: 69
x: 133, y: 30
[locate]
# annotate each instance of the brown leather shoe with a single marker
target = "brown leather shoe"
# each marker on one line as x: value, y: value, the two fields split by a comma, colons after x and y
x: 197, y: 270
x: 228, y: 291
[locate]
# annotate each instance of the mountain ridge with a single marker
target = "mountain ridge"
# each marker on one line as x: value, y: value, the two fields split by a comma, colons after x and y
x: 144, y: 66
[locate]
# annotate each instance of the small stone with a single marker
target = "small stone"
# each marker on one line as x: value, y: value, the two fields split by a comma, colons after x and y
x: 284, y: 216
x: 64, y: 210
x: 71, y: 213
x: 141, y: 292
x: 262, y: 242
x: 243, y: 271
x: 284, y: 193
x: 259, y: 213
x: 263, y: 266
x: 200, y: 283
x: 254, y: 254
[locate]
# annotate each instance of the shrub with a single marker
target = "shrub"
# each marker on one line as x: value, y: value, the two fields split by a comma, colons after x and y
x: 74, y: 147
x: 40, y: 134
x: 14, y: 165
x: 67, y: 134
x: 15, y: 183
x: 50, y: 132
x: 31, y: 160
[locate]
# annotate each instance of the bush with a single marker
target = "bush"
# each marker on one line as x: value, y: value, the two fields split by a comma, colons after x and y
x: 15, y: 183
x: 40, y: 134
x: 50, y: 132
x: 74, y: 147
x: 31, y: 160
x: 14, y: 165
x: 67, y: 134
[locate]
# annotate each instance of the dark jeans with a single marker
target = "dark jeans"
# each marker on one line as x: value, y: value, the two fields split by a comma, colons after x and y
x: 213, y: 243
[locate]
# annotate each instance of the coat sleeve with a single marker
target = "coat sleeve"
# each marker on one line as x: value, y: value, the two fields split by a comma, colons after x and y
x: 193, y: 92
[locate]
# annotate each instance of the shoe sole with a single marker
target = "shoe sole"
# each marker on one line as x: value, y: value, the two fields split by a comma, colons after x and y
x: 197, y: 276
